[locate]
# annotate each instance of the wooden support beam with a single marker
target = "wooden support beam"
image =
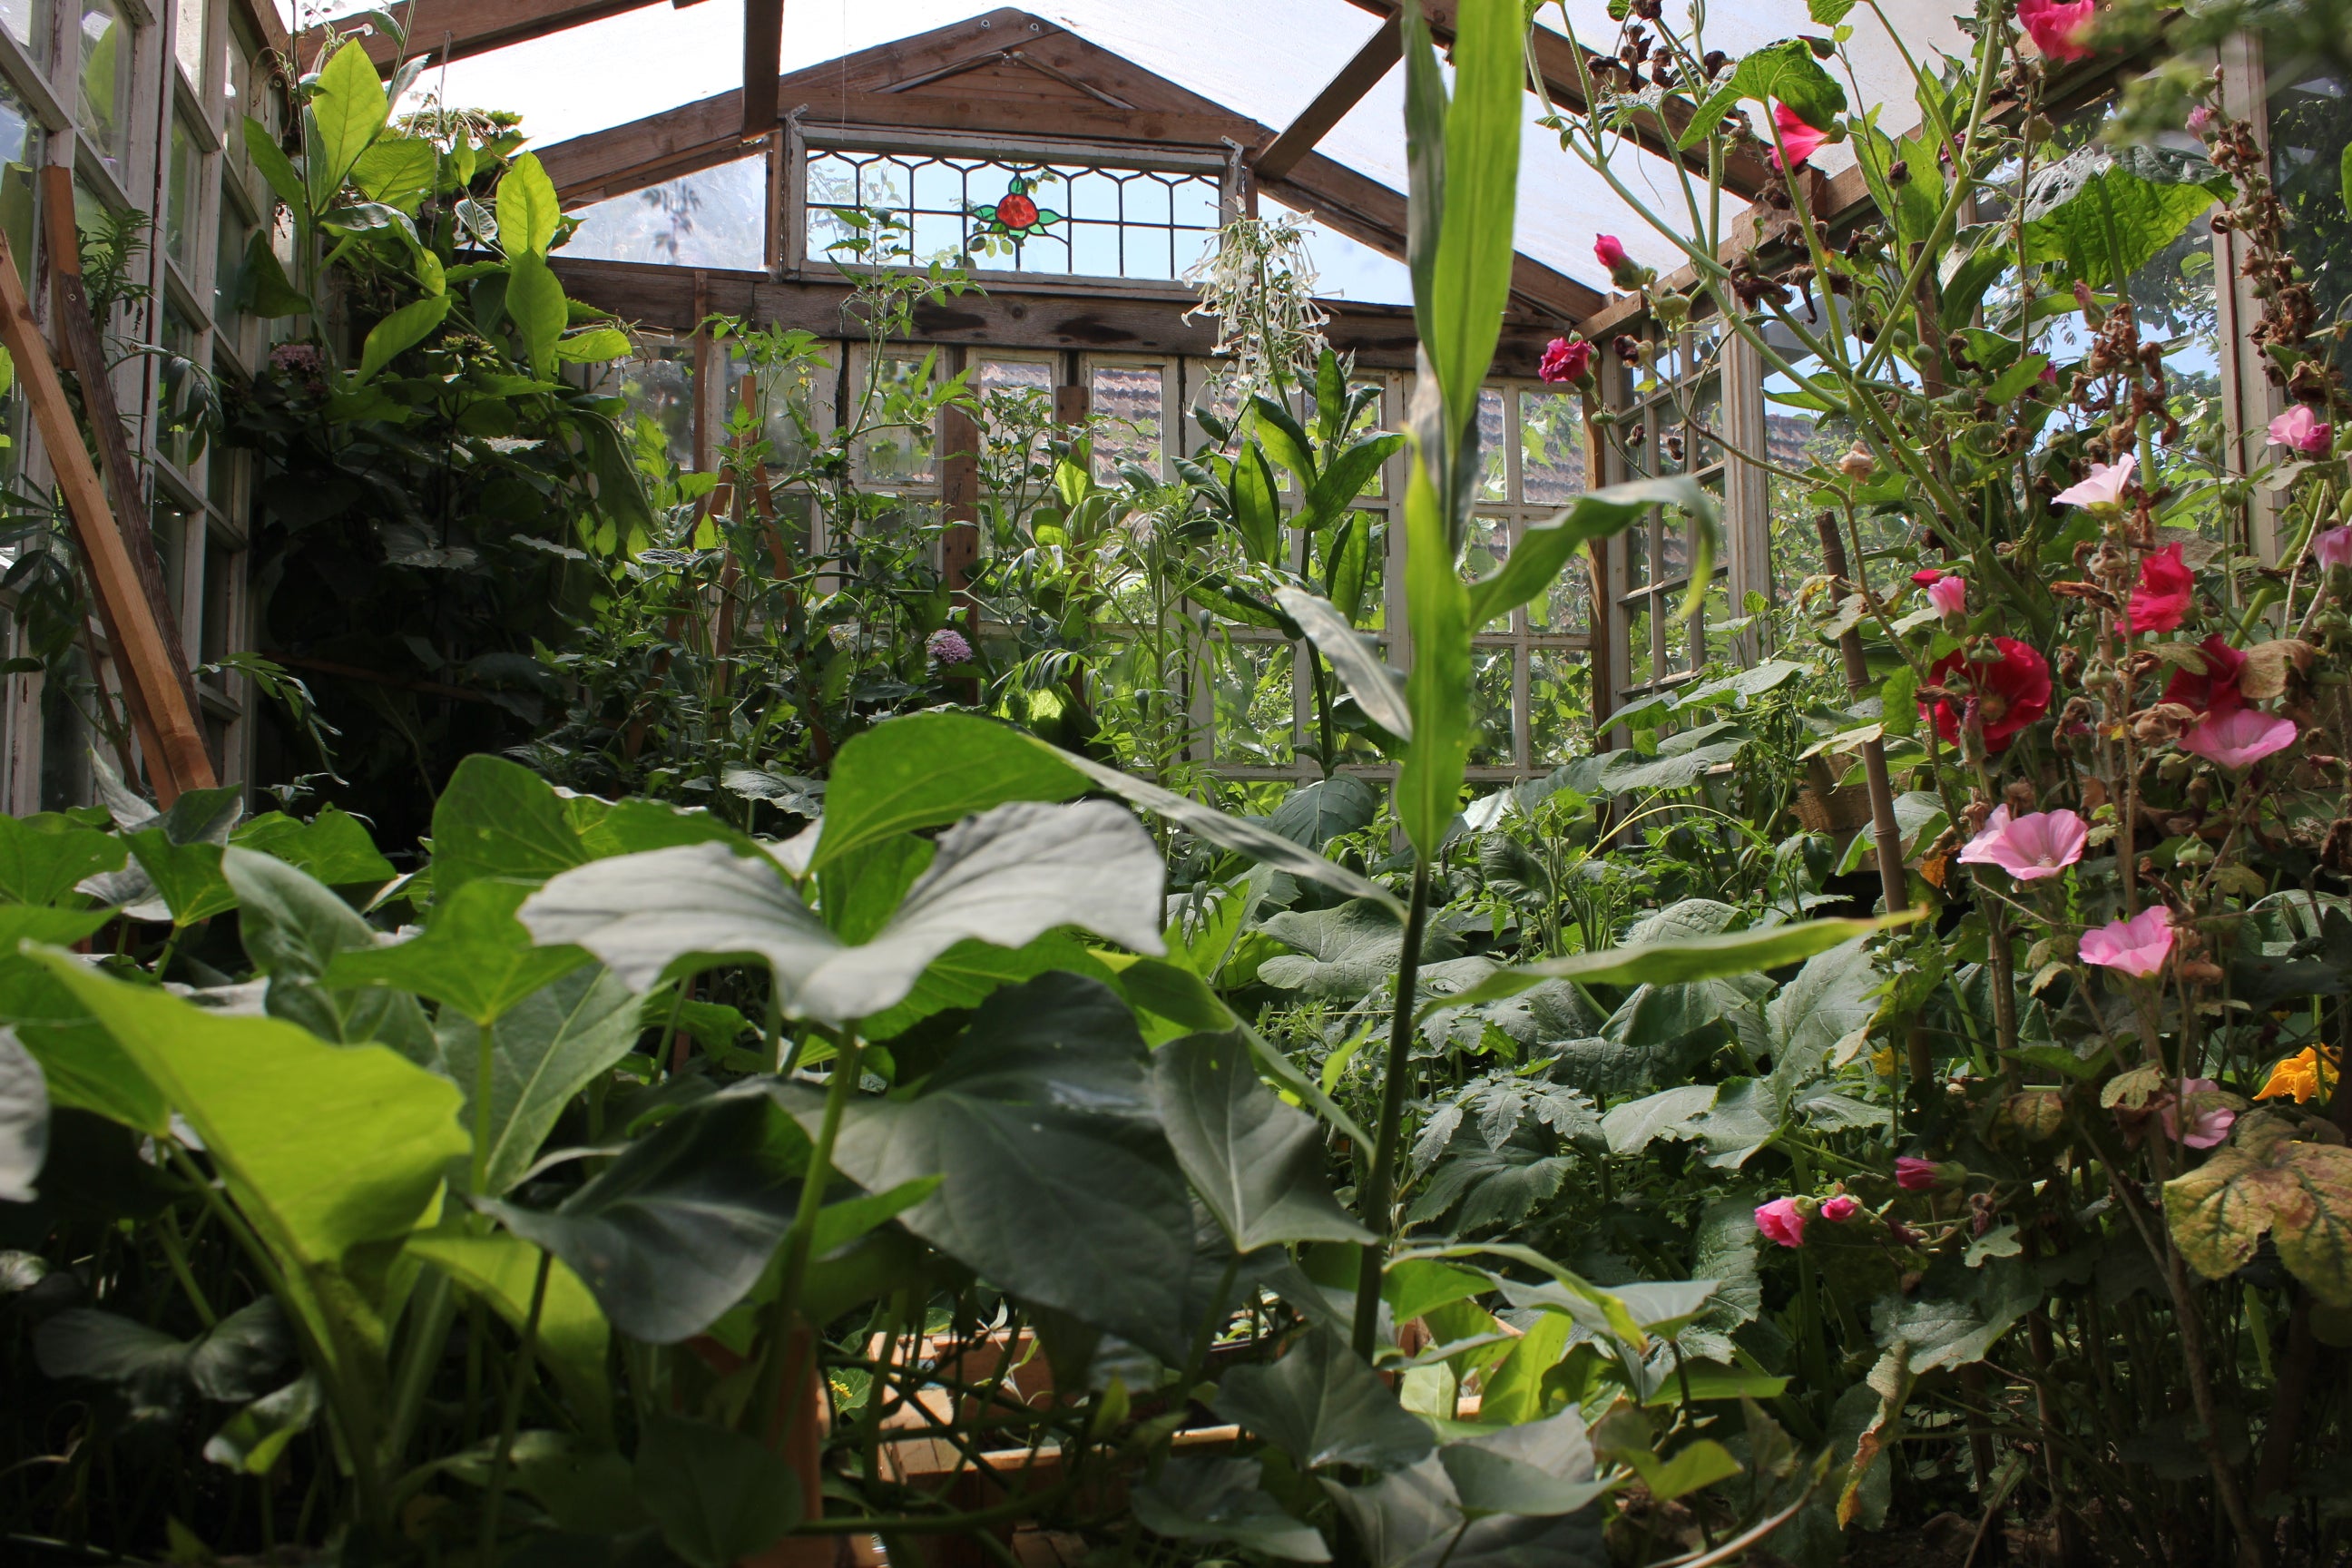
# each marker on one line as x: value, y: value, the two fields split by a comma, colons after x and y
x: 1010, y: 314
x: 1343, y: 92
x: 763, y: 48
x: 452, y: 29
x: 1557, y: 58
x: 151, y: 670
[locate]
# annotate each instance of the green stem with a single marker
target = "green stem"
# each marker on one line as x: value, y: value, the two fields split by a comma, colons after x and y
x: 501, y: 1458
x: 1381, y: 1187
x: 767, y: 1407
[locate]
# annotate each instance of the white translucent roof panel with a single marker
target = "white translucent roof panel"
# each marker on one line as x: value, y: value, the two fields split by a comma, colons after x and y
x: 640, y: 63
x: 708, y: 218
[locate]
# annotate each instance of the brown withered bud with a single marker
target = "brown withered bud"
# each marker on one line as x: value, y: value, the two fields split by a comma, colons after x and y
x: 1974, y: 814
x: 2019, y: 796
x: 1858, y: 464
x: 1713, y: 60
x: 2068, y: 665
x: 2164, y: 722
x: 1628, y: 347
x: 1898, y: 173
x: 2199, y: 971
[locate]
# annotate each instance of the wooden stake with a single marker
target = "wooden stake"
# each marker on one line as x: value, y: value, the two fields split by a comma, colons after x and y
x: 155, y: 686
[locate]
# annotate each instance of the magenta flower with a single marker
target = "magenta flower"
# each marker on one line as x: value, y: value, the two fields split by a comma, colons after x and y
x: 1623, y: 270
x: 2240, y: 739
x: 2334, y: 547
x: 1950, y: 595
x: 1609, y: 251
x: 1913, y: 1175
x: 2136, y: 947
x: 1798, y: 139
x: 2199, y: 119
x: 1565, y: 360
x: 2302, y: 432
x: 2056, y: 26
x: 2030, y: 847
x: 1782, y: 1221
x: 2207, y: 1127
x: 947, y: 645
x: 1839, y: 1209
x: 2104, y: 490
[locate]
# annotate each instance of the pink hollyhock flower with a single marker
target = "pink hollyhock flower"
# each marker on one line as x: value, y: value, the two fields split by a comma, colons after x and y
x: 2159, y: 600
x: 2199, y: 119
x: 2303, y: 432
x: 2056, y: 26
x: 1913, y: 1175
x: 2241, y: 739
x: 2334, y: 547
x: 2208, y: 1126
x: 2009, y: 695
x: 947, y: 645
x: 2138, y: 946
x: 1839, y: 1209
x: 1949, y: 596
x: 1798, y: 139
x: 2030, y: 847
x: 2105, y: 488
x: 1609, y: 251
x: 1782, y: 1221
x: 1565, y: 360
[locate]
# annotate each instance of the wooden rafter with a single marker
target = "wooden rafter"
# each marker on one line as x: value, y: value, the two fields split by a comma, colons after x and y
x: 874, y: 90
x: 1358, y: 77
x: 453, y: 29
x: 763, y: 43
x: 1746, y: 173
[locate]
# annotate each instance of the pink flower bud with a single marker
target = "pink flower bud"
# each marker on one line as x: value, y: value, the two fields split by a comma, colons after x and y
x: 1949, y: 596
x: 1913, y: 1175
x: 1839, y: 1209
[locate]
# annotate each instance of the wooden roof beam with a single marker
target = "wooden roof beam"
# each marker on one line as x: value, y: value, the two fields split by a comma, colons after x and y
x: 1358, y: 77
x: 1745, y: 173
x: 453, y: 29
x: 764, y: 48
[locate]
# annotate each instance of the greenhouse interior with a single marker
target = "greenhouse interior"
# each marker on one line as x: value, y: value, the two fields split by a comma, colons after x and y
x: 1204, y: 785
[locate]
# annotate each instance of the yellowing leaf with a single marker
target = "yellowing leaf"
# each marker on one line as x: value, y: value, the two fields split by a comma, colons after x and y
x: 2300, y: 1193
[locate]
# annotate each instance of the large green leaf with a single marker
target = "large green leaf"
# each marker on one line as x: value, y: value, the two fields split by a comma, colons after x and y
x: 550, y: 1047
x: 1323, y: 1405
x: 573, y: 1338
x: 1834, y: 996
x: 1459, y: 313
x: 83, y: 1065
x: 1437, y: 690
x: 474, y: 956
x: 1678, y: 961
x: 928, y: 769
x: 42, y: 856
x: 293, y: 928
x: 349, y: 110
x: 2099, y: 209
x: 326, y: 1151
x: 675, y: 1229
x: 498, y: 819
x: 1534, y: 1468
x: 1347, y: 951
x: 528, y: 208
x: 1540, y: 554
x: 397, y: 171
x: 1786, y: 72
x: 398, y: 332
x: 720, y: 1496
x: 332, y: 847
x: 1355, y: 658
x: 1256, y: 1162
x: 1259, y: 843
x: 536, y: 305
x: 1055, y: 1183
x: 1220, y: 1499
x: 1003, y: 876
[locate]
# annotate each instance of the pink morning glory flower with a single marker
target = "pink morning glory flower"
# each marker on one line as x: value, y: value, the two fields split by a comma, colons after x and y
x: 2242, y: 739
x: 2302, y: 432
x: 1839, y: 1209
x: 2136, y: 947
x: 1798, y: 139
x: 2334, y: 547
x: 2029, y: 847
x: 1782, y: 1221
x: 2208, y: 1126
x: 1950, y: 595
x: 2105, y: 488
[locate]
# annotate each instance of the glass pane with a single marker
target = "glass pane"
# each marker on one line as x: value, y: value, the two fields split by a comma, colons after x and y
x: 1013, y: 375
x: 658, y: 383
x: 188, y: 42
x: 217, y: 635
x: 27, y: 22
x: 1252, y: 704
x: 1484, y: 544
x: 105, y: 80
x: 180, y: 195
x: 1552, y: 448
x: 1495, y: 462
x: 2310, y: 123
x: 900, y: 453
x: 232, y: 247
x: 20, y: 154
x: 713, y: 217
x: 1566, y: 603
x: 1129, y: 398
x: 1559, y: 707
x: 796, y: 401
x: 1490, y: 707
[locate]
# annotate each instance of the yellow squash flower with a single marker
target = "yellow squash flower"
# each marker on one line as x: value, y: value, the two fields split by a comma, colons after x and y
x: 2302, y: 1075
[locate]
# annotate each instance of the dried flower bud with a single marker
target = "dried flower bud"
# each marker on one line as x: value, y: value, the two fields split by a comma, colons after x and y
x: 1858, y: 464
